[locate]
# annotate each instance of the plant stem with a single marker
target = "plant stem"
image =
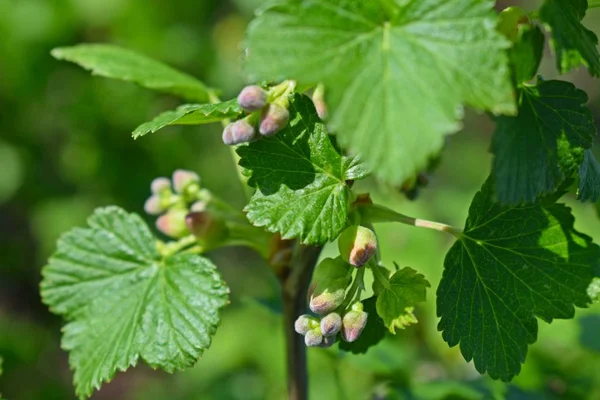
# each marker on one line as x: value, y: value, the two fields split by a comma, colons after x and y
x: 294, y: 287
x: 375, y: 213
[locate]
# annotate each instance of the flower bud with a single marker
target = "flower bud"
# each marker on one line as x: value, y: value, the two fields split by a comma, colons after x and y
x: 313, y: 338
x: 328, y: 289
x: 198, y: 206
x: 273, y: 119
x: 172, y: 223
x: 160, y: 185
x: 152, y: 205
x: 357, y: 244
x: 305, y: 323
x: 240, y: 131
x: 182, y: 179
x: 318, y: 99
x: 509, y: 21
x: 353, y: 323
x: 331, y: 324
x: 252, y: 98
x: 328, y: 341
x: 208, y: 229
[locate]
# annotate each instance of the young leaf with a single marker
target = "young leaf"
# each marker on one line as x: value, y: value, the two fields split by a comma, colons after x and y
x: 536, y: 150
x: 396, y: 302
x: 300, y: 176
x: 589, y: 178
x: 118, y: 63
x: 396, y: 75
x: 373, y: 332
x: 573, y: 44
x: 526, y: 53
x: 190, y: 114
x: 511, y: 265
x: 123, y: 302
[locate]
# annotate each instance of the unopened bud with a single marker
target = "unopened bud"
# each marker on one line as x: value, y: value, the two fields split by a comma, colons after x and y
x: 353, y: 324
x: 198, y: 206
x: 330, y: 281
x: 206, y: 227
x: 252, y: 98
x: 357, y: 244
x: 328, y: 341
x: 160, y: 185
x: 509, y: 21
x: 305, y: 323
x: 273, y: 119
x: 152, y: 205
x: 172, y: 223
x: 331, y: 324
x: 183, y: 178
x: 240, y: 131
x: 313, y: 338
x: 318, y: 99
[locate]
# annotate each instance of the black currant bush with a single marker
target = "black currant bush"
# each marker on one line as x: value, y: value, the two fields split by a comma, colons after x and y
x: 344, y: 90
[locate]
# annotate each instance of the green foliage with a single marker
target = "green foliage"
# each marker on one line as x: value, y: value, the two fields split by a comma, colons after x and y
x: 124, y: 302
x: 190, y: 114
x: 511, y: 265
x: 589, y: 178
x: 526, y: 53
x: 395, y: 303
x: 396, y: 74
x: 543, y: 145
x: 573, y: 44
x: 300, y: 177
x: 117, y: 63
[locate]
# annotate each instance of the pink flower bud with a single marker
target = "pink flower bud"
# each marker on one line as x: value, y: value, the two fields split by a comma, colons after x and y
x: 159, y: 185
x: 152, y: 205
x: 172, y: 223
x: 353, y: 324
x: 313, y: 338
x: 198, y: 206
x: 273, y: 120
x: 252, y: 98
x: 183, y: 178
x: 305, y: 323
x: 357, y: 245
x: 328, y: 341
x: 240, y: 131
x: 331, y: 324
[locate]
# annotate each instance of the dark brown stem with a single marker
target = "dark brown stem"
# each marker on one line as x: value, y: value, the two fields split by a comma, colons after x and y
x: 294, y: 287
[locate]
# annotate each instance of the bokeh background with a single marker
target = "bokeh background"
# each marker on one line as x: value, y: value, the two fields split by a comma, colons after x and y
x: 65, y: 148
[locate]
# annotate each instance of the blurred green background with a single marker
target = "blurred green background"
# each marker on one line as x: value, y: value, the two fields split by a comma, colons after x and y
x: 65, y: 148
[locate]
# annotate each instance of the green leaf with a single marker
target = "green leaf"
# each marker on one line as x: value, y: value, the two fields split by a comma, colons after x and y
x: 300, y: 179
x: 543, y: 145
x: 589, y: 178
x: 573, y: 44
x: 396, y: 302
x: 123, y: 302
x: 511, y: 265
x: 526, y: 53
x: 373, y: 332
x: 190, y: 114
x: 118, y: 63
x: 396, y: 76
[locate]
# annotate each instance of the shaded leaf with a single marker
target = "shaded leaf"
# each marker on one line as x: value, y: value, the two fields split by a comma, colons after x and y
x: 589, y: 178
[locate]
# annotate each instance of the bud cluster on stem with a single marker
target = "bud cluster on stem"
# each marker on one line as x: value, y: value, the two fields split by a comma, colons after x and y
x: 267, y: 113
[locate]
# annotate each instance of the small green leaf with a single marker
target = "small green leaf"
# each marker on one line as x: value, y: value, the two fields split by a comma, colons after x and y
x: 543, y: 145
x: 396, y: 303
x: 573, y: 44
x: 396, y: 73
x: 373, y: 332
x: 118, y: 63
x: 526, y: 53
x: 123, y: 302
x: 190, y: 114
x: 511, y: 265
x: 300, y: 178
x: 589, y: 178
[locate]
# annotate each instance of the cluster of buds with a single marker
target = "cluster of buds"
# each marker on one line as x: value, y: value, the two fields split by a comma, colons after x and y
x: 268, y: 114
x: 323, y: 331
x: 181, y: 206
